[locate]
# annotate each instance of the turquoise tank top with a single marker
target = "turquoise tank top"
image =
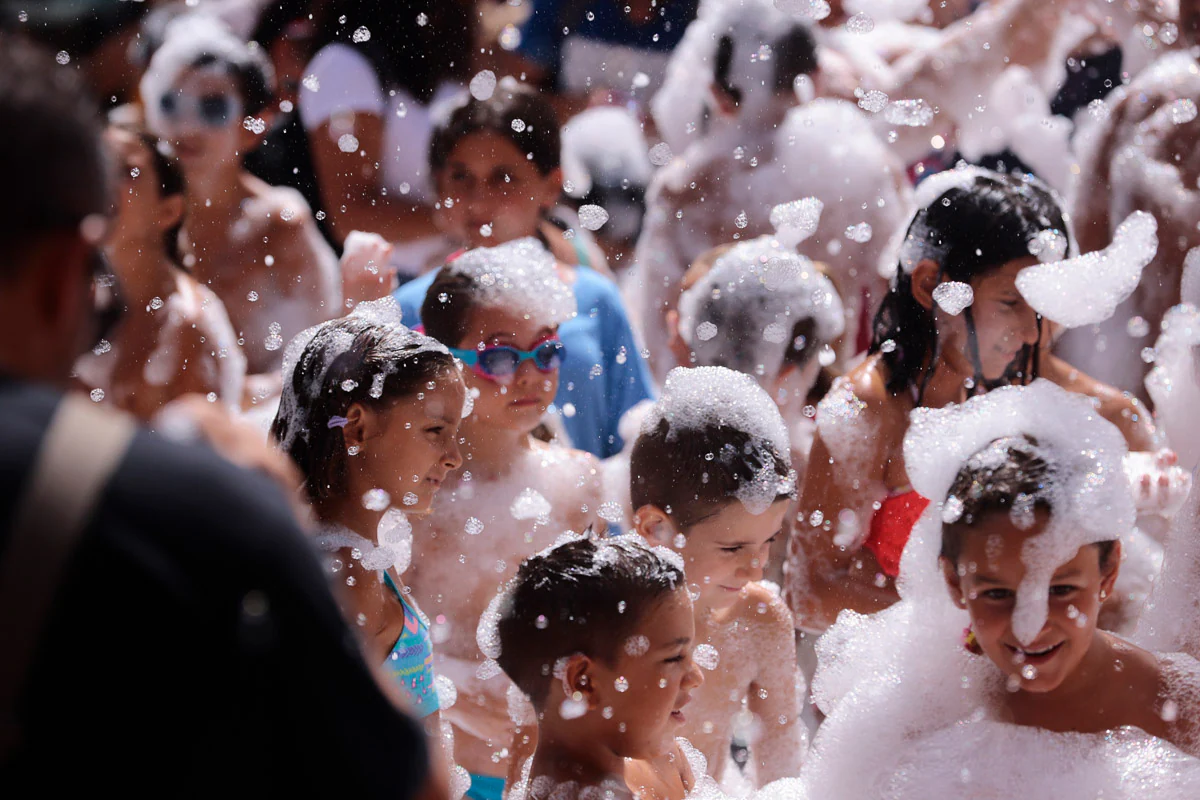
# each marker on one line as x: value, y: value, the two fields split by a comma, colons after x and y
x: 410, y: 664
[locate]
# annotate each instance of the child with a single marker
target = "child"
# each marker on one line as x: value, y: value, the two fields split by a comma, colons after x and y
x: 1032, y: 503
x: 498, y: 164
x: 599, y: 635
x: 498, y: 310
x: 370, y: 414
x: 176, y: 337
x: 712, y: 479
x: 255, y: 245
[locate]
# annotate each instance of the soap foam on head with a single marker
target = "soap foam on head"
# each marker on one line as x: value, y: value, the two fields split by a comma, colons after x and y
x: 704, y: 397
x: 519, y: 276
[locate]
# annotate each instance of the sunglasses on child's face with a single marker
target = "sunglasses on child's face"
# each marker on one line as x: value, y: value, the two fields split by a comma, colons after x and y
x: 500, y: 363
x: 212, y: 110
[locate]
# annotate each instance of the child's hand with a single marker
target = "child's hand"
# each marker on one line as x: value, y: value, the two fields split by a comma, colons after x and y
x: 1159, y: 487
x: 366, y: 274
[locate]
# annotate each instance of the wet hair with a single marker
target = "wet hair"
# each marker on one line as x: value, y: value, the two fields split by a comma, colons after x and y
x: 586, y: 596
x: 539, y: 136
x: 52, y: 155
x: 1007, y: 473
x: 446, y: 310
x: 350, y: 351
x: 692, y: 473
x: 970, y: 232
x: 404, y: 52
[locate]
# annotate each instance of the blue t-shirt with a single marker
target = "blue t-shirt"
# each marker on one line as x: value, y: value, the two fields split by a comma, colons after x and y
x: 602, y: 22
x: 603, y: 375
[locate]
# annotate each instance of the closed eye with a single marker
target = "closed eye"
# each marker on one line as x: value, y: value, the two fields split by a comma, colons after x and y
x: 997, y: 594
x: 673, y: 659
x: 1062, y: 590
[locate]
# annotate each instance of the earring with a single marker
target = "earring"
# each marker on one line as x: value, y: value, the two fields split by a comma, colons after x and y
x: 962, y: 602
x: 970, y: 643
x: 1103, y: 594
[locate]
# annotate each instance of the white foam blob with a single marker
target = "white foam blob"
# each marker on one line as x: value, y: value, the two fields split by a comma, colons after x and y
x: 483, y: 85
x: 519, y: 276
x: 910, y: 113
x: 592, y: 217
x: 1087, y: 289
x: 796, y: 221
x: 953, y: 296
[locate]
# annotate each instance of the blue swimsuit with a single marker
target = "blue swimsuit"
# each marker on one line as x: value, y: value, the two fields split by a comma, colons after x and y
x: 410, y: 663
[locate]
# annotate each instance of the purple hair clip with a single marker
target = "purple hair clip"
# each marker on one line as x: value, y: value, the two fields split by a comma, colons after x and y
x: 337, y: 422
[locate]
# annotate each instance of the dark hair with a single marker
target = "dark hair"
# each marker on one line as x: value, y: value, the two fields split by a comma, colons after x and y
x: 991, y: 484
x: 349, y: 360
x: 585, y: 596
x: 538, y: 135
x: 794, y: 54
x: 740, y: 350
x: 973, y: 231
x: 404, y: 52
x: 690, y: 473
x: 169, y: 178
x: 446, y: 310
x: 251, y: 70
x: 78, y: 28
x: 52, y: 155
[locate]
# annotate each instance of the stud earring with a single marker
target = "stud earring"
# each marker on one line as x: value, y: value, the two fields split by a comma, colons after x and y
x: 1103, y: 594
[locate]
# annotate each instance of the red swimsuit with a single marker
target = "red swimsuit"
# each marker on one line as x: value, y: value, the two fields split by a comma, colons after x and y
x: 890, y: 528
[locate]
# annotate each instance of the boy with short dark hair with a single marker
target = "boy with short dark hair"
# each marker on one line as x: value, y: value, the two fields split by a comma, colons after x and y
x: 598, y: 633
x: 711, y: 478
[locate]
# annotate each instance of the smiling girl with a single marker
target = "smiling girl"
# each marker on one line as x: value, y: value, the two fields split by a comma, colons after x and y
x: 498, y: 310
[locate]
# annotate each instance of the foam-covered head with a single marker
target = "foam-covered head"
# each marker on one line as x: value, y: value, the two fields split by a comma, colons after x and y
x: 584, y: 595
x: 518, y: 276
x: 759, y: 303
x: 713, y: 436
x: 1084, y: 483
x: 368, y: 358
x: 724, y: 47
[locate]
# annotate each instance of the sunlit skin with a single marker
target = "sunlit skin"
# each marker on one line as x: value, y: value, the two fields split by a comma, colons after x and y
x: 176, y: 340
x: 1083, y: 679
x: 625, y: 734
x: 834, y: 578
x: 750, y: 628
x: 457, y: 573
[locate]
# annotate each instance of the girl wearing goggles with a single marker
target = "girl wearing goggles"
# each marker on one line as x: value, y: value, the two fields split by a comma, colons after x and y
x: 501, y: 362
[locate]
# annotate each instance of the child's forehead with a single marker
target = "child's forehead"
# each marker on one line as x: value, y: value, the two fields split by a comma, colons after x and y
x: 211, y: 77
x: 666, y: 622
x: 488, y: 322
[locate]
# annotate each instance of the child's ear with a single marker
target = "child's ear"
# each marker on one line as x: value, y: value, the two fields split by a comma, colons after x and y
x: 359, y: 426
x: 1109, y: 570
x: 580, y: 676
x: 953, y: 582
x: 924, y: 281
x: 653, y: 524
x: 170, y: 212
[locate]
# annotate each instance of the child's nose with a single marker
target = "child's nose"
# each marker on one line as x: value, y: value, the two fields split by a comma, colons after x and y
x: 694, y: 677
x: 452, y: 458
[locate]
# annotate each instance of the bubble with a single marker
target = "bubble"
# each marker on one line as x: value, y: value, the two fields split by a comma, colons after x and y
x: 401, y: 110
x: 252, y: 296
x: 410, y: 499
x: 422, y: 19
x: 360, y: 35
x: 1137, y: 327
x: 1149, y: 355
x: 349, y: 385
x: 888, y: 346
x: 485, y: 230
x: 826, y: 356
x: 541, y: 623
x: 860, y: 233
x: 871, y: 100
x: 312, y: 83
x: 102, y: 347
x: 641, y: 80
x: 1099, y: 110
x: 483, y: 85
x: 1029, y: 672
x: 156, y: 303
x: 592, y: 217
x: 775, y: 333
x: 805, y: 9
x: 621, y: 684
x: 860, y: 23
x: 571, y: 708
x: 1048, y: 246
x: 705, y: 331
x: 447, y: 692
x: 796, y: 221
x: 1182, y: 111
x: 274, y: 339
x: 706, y: 657
x: 63, y: 57
x: 953, y: 296
x: 474, y: 526
x: 254, y: 124
x: 510, y: 37
x: 661, y: 155
x: 377, y: 386
x: 610, y: 511
x: 1168, y: 33
x: 912, y: 113
x: 741, y: 220
x: 952, y: 510
x: 376, y: 500
x: 529, y: 504
x: 680, y: 541
x: 97, y: 395
x: 637, y: 646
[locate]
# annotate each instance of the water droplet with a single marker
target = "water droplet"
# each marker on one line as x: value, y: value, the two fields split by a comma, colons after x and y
x: 860, y: 23
x: 706, y: 657
x: 1182, y: 110
x: 860, y: 233
x: 97, y: 395
x: 592, y: 217
x: 348, y: 143
x: 705, y: 331
x: 741, y: 220
x: 361, y: 35
x: 1137, y: 327
x: 349, y: 385
x: 483, y: 85
x: 474, y: 526
x: 913, y: 113
x: 254, y: 124
x: 376, y: 500
x: 621, y: 685
x: 660, y: 154
x: 312, y: 83
x: 888, y: 346
x: 518, y: 125
x: 953, y: 296
x: 63, y: 57
x: 410, y: 499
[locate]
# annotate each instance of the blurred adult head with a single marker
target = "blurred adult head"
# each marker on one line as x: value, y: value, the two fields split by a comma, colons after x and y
x: 54, y: 208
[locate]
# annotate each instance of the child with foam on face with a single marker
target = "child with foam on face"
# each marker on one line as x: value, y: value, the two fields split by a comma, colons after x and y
x: 712, y: 480
x: 498, y: 310
x: 1033, y: 502
x: 599, y: 635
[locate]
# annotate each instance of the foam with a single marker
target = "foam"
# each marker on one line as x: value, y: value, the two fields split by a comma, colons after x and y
x: 694, y: 399
x: 742, y: 312
x: 519, y: 276
x: 1087, y: 289
x: 1174, y: 384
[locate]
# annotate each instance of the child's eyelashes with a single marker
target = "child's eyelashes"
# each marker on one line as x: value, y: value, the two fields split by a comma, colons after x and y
x: 997, y: 594
x: 1063, y: 590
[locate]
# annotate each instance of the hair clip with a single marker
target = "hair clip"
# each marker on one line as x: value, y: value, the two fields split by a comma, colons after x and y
x: 337, y: 422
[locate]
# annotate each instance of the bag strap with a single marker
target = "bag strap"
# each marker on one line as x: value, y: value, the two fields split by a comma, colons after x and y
x: 77, y: 457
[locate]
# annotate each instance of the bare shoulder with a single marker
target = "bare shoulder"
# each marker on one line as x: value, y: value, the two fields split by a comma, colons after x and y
x: 860, y: 401
x: 762, y: 609
x: 276, y: 208
x: 1120, y: 408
